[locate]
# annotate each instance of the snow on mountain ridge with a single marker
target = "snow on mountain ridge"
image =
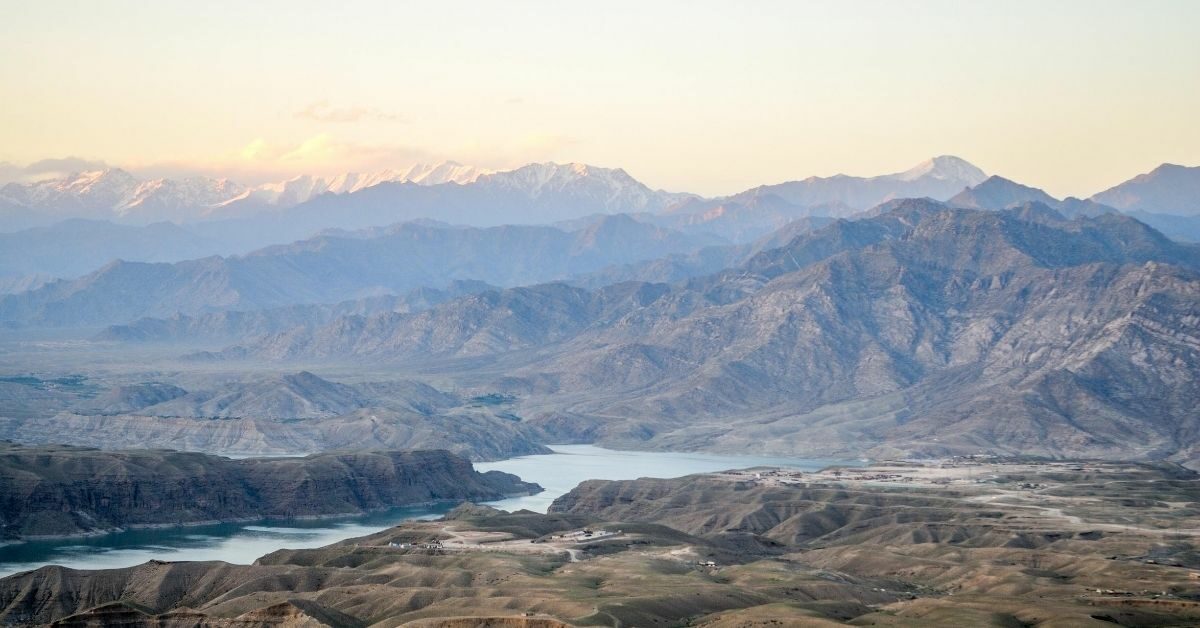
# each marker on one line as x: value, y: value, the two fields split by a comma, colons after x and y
x: 116, y: 193
x: 183, y: 195
x: 88, y: 191
x: 612, y: 188
x: 304, y: 187
x: 445, y: 172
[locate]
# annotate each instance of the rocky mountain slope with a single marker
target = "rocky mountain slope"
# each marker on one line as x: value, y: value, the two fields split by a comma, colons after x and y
x: 240, y: 325
x: 230, y: 325
x: 938, y: 178
x: 744, y: 217
x: 997, y: 193
x: 60, y: 490
x: 471, y: 433
x: 260, y: 414
x: 925, y: 329
x: 756, y: 212
x: 288, y: 396
x: 127, y: 398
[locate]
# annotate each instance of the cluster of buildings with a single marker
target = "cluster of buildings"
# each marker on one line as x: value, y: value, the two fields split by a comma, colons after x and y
x: 585, y: 534
x: 432, y: 545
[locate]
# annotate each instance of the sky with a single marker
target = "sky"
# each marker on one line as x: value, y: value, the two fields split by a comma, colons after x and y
x: 706, y: 97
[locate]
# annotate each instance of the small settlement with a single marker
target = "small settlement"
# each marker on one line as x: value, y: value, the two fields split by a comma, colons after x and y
x: 584, y: 535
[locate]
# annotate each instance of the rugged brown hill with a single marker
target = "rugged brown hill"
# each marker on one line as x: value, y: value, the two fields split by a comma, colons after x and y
x: 69, y: 490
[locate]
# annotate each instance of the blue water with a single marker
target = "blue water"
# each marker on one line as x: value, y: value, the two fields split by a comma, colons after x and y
x: 572, y: 464
x: 243, y: 542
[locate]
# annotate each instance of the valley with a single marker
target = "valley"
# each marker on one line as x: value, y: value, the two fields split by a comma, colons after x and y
x: 678, y: 314
x: 254, y: 531
x: 1012, y: 369
x: 965, y: 541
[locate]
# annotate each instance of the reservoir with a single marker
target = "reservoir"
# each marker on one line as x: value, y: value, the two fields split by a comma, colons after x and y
x: 243, y: 542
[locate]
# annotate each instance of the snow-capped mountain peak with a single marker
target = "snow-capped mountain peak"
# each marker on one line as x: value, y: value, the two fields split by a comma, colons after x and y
x: 304, y: 187
x: 445, y: 172
x: 176, y: 198
x: 944, y: 168
x: 538, y: 178
x: 75, y: 193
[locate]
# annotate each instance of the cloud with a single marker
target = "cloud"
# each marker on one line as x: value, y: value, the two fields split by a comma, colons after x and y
x: 518, y: 150
x: 322, y: 148
x: 266, y: 159
x: 322, y: 111
x: 318, y: 148
x: 262, y: 160
x: 254, y: 149
x: 64, y: 165
x: 550, y: 144
x: 10, y: 172
x: 47, y: 169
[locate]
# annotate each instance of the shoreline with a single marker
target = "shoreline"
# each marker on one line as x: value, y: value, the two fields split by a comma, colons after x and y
x: 91, y: 534
x: 595, y: 462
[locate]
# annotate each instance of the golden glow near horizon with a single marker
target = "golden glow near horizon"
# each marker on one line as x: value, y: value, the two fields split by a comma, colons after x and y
x: 710, y: 97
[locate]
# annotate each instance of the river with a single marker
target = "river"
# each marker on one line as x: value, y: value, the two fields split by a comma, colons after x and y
x: 243, y: 542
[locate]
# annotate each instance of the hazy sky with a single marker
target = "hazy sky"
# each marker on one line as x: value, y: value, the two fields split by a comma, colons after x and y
x: 710, y: 97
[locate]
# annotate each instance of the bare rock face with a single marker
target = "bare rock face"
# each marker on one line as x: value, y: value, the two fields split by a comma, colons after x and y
x: 69, y: 490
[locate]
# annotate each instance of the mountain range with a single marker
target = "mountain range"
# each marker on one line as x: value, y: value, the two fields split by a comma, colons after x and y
x: 997, y: 193
x: 113, y: 193
x: 549, y: 191
x: 925, y: 329
x: 997, y: 319
x: 1168, y: 189
x: 559, y: 190
x: 340, y: 266
x: 219, y: 217
x: 842, y: 195
x: 262, y: 413
x: 77, y: 246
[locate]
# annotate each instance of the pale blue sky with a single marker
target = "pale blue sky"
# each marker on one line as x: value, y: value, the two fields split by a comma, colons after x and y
x: 702, y: 96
